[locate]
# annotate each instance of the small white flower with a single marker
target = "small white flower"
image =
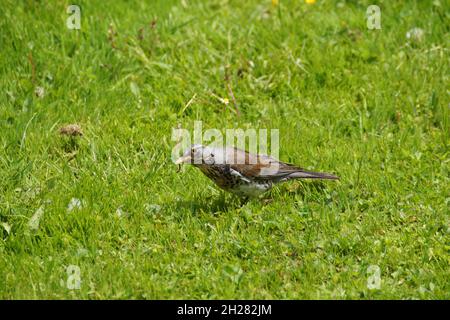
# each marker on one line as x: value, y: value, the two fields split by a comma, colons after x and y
x: 152, y: 208
x: 121, y: 213
x: 415, y: 35
x: 74, y: 204
x: 39, y: 92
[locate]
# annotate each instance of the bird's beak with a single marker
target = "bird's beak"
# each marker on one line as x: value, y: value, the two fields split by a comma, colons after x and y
x: 185, y: 159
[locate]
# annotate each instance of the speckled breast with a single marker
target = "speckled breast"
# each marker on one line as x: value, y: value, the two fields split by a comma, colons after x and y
x: 223, y: 178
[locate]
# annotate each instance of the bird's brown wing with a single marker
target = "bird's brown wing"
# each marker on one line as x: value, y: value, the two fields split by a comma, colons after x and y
x: 262, y: 167
x: 257, y: 166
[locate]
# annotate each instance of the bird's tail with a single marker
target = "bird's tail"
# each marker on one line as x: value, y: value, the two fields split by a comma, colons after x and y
x: 310, y: 175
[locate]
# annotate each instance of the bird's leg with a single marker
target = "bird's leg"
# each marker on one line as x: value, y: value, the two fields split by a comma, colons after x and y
x: 223, y: 199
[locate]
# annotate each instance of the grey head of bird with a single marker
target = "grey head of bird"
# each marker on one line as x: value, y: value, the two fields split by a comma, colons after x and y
x: 198, y: 155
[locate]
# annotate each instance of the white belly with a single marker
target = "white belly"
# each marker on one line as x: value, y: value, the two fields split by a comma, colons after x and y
x: 251, y: 189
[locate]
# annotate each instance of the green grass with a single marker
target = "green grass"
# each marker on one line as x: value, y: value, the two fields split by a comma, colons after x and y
x: 365, y: 104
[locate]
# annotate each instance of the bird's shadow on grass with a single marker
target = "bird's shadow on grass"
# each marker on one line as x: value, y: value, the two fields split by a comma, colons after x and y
x: 302, y: 189
x: 227, y: 202
x: 217, y: 204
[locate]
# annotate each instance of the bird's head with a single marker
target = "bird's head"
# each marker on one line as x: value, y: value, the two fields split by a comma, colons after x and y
x: 198, y: 155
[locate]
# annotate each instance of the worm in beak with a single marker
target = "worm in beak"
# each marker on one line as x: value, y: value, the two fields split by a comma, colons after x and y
x: 180, y: 161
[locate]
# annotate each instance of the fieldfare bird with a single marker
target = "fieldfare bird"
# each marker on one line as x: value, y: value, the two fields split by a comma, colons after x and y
x: 243, y: 173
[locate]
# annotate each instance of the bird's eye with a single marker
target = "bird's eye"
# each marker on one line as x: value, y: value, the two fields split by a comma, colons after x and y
x: 212, y: 155
x: 192, y: 150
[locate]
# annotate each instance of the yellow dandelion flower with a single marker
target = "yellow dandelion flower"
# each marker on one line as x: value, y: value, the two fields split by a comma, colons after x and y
x: 275, y: 3
x: 310, y: 1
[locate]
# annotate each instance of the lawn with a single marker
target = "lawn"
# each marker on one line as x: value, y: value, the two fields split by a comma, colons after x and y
x: 106, y: 215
